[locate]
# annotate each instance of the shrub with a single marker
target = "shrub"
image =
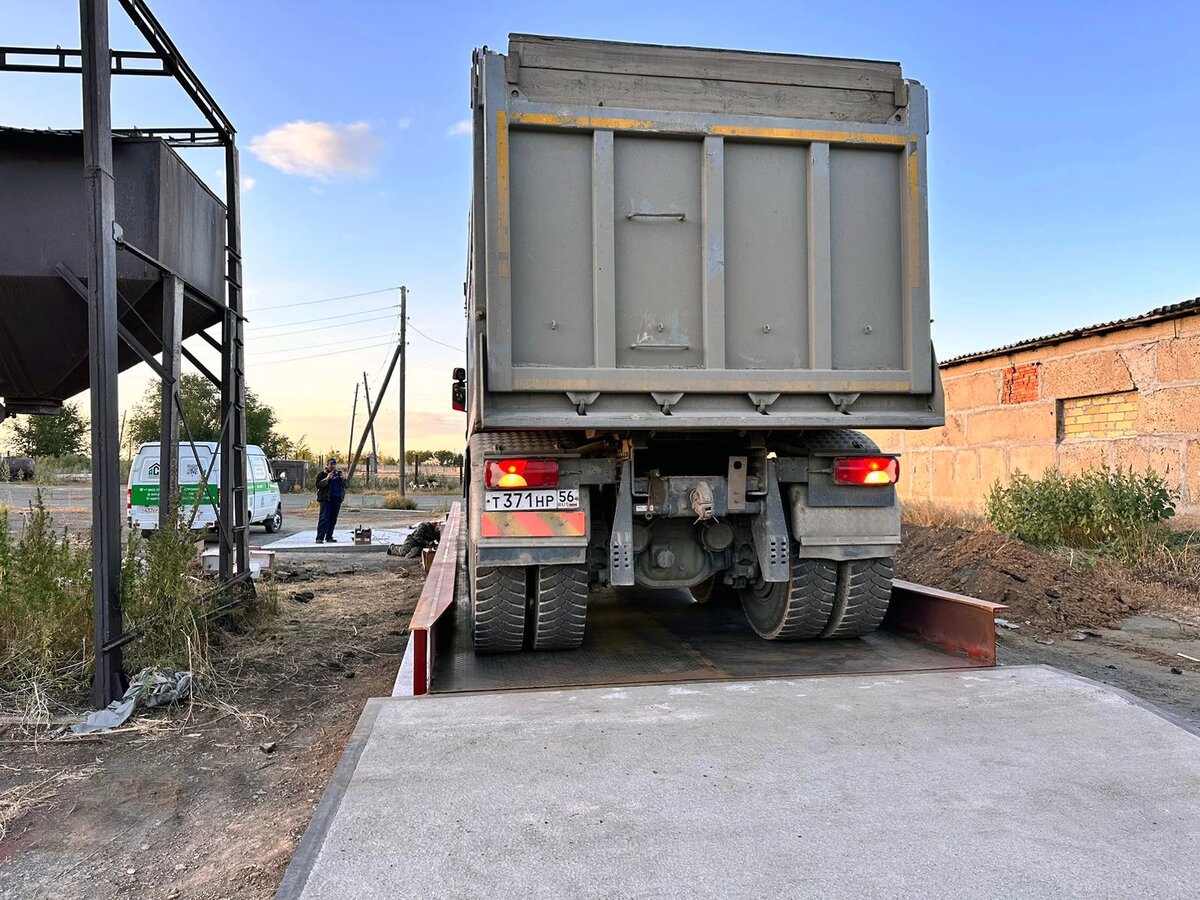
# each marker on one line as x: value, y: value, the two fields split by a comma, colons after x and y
x: 46, y: 605
x: 1106, y: 510
x: 393, y: 500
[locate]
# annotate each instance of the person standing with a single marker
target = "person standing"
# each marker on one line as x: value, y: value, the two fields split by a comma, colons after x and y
x: 331, y: 490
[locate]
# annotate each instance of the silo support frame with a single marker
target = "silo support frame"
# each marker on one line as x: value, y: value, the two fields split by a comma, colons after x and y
x: 97, y: 63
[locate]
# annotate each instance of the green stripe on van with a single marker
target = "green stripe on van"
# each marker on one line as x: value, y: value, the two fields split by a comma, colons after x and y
x: 147, y: 494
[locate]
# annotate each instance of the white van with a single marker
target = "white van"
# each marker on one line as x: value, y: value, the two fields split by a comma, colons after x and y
x: 195, y: 467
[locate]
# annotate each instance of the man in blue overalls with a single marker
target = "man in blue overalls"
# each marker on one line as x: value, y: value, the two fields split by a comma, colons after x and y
x: 331, y: 489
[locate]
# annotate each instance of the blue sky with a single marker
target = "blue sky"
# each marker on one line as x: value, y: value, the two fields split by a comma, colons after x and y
x: 1064, y: 182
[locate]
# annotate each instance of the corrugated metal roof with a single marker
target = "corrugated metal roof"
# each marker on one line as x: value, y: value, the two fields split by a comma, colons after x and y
x: 1174, y: 311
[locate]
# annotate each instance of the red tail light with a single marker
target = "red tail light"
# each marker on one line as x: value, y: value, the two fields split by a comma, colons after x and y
x: 508, y: 474
x: 869, y: 470
x: 129, y: 498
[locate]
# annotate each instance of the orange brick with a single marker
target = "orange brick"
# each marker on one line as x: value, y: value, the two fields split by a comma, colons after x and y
x: 993, y: 466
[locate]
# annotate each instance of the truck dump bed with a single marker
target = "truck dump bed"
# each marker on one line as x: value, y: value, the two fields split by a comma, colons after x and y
x: 678, y: 238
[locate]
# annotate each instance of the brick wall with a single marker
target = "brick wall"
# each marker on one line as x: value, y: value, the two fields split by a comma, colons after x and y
x: 1105, y: 416
x: 1127, y: 399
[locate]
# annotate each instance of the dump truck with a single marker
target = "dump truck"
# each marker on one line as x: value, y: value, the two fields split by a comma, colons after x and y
x: 694, y: 277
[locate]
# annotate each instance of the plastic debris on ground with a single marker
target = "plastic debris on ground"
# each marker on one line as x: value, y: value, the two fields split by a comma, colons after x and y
x: 151, y: 688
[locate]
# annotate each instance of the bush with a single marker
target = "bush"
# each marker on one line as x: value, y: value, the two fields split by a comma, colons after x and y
x: 1105, y: 510
x: 393, y: 500
x: 46, y: 605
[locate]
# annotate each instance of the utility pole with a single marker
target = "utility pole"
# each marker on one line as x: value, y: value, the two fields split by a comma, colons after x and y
x: 373, y: 470
x: 353, y: 413
x: 108, y: 682
x: 387, y: 379
x: 403, y: 359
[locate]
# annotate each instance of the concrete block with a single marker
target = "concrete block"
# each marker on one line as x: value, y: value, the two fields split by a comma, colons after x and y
x: 1172, y: 410
x: 1032, y: 459
x: 1085, y: 375
x: 1079, y: 456
x: 1179, y: 359
x: 1191, y: 479
x: 1140, y: 455
x: 966, y: 485
x: 1012, y: 423
x: 1140, y: 360
x: 915, y: 479
x: 949, y: 435
x: 972, y: 391
x: 993, y: 467
x: 941, y: 468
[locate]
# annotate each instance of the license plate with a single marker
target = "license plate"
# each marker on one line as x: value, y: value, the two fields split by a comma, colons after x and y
x: 514, y: 501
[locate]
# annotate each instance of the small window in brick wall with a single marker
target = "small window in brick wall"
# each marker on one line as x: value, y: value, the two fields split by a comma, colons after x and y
x: 1020, y: 384
x: 1104, y: 416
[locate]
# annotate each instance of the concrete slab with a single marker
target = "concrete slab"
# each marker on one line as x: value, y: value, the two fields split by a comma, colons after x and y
x: 1014, y: 782
x: 381, y: 539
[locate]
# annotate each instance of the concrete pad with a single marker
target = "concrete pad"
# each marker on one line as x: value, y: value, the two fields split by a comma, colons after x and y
x: 1013, y: 782
x: 381, y: 539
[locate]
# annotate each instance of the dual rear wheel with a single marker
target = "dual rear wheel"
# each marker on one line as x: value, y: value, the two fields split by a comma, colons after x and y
x: 542, y: 607
x: 822, y: 598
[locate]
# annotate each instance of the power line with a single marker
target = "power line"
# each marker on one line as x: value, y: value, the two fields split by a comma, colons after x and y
x: 370, y: 337
x: 361, y: 312
x: 274, y: 362
x: 435, y: 340
x: 326, y: 299
x: 268, y: 337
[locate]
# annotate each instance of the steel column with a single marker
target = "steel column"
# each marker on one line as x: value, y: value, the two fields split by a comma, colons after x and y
x: 168, y: 448
x: 234, y: 550
x: 108, y: 682
x: 403, y: 382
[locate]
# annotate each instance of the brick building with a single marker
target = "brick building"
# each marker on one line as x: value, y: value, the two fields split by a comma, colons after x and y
x: 1124, y: 394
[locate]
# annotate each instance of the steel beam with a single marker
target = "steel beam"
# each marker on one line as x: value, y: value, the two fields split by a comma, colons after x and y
x: 168, y: 448
x: 109, y: 678
x: 71, y: 61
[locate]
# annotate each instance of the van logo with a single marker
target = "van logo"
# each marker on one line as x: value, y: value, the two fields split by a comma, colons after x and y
x: 153, y: 470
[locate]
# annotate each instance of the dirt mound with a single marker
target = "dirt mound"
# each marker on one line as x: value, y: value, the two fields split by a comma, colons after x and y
x: 1040, y: 588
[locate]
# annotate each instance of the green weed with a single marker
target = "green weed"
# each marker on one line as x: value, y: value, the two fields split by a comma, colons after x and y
x: 1107, y: 511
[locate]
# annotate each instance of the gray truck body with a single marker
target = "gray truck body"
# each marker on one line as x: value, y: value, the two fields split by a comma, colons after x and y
x: 692, y: 275
x: 673, y: 238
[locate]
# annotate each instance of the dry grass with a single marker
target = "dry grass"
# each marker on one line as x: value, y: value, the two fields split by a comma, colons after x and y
x: 393, y: 500
x: 21, y: 799
x: 938, y: 515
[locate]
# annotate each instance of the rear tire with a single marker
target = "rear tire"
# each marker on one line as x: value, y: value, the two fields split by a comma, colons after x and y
x: 821, y: 599
x: 560, y: 607
x: 498, y: 609
x: 864, y: 591
x: 797, y: 609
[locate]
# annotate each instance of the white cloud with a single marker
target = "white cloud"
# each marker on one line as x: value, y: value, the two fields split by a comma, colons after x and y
x: 319, y: 150
x: 248, y: 184
x: 403, y: 123
x: 459, y: 129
